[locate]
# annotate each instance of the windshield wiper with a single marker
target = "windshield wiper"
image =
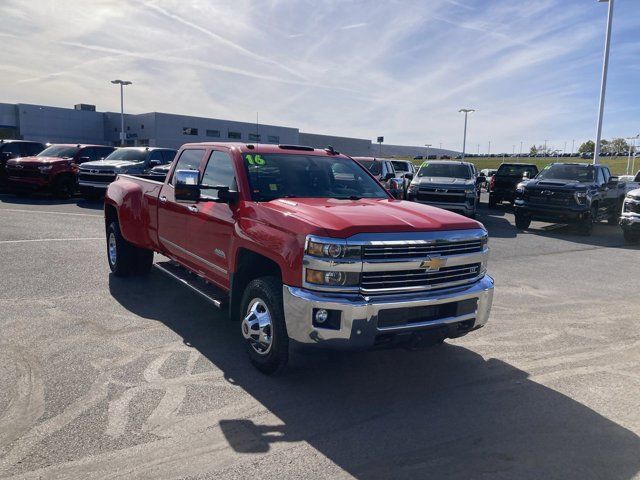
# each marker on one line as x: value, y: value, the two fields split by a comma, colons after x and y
x: 350, y: 197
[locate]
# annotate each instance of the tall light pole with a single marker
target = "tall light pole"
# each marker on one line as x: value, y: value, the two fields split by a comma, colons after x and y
x: 122, y: 83
x: 520, y: 148
x: 466, y: 112
x: 478, y: 149
x: 427, y: 154
x: 545, y: 148
x: 573, y: 146
x: 603, y: 83
x: 489, y: 149
x: 633, y: 139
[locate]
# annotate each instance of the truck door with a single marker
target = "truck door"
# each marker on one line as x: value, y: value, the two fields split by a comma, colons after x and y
x: 611, y: 193
x: 210, y: 225
x: 172, y: 215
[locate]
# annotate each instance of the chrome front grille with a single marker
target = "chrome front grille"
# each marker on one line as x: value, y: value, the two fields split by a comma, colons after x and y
x: 420, y: 250
x: 372, y: 281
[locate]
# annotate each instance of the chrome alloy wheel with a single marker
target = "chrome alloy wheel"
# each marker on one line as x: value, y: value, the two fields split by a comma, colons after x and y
x: 113, y: 255
x: 257, y: 326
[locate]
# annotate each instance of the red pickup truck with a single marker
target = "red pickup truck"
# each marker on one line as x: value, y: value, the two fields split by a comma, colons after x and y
x: 304, y: 246
x: 54, y: 169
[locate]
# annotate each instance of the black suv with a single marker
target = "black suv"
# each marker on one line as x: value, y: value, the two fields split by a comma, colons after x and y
x: 504, y: 181
x: 95, y: 177
x: 570, y: 193
x: 16, y: 148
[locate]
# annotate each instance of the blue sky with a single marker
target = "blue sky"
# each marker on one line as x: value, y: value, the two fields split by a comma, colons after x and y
x: 401, y: 69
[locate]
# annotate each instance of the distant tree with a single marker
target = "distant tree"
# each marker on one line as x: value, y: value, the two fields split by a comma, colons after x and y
x: 587, y: 147
x: 619, y: 145
x: 533, y: 150
x: 605, y: 146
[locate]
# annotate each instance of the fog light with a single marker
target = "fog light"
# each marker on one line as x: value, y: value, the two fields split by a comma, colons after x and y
x: 321, y: 315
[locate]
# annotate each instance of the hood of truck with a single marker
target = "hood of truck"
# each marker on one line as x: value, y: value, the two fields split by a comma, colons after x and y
x: 446, y: 182
x: 344, y: 218
x: 36, y: 161
x: 110, y: 164
x: 551, y: 184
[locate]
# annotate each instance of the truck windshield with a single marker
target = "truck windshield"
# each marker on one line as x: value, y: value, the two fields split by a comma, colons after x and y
x: 401, y: 166
x: 559, y: 171
x: 59, y: 151
x: 508, y: 170
x: 274, y: 176
x: 448, y: 170
x: 133, y: 155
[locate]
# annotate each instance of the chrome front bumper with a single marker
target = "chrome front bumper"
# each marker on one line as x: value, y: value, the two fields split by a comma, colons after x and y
x: 359, y: 315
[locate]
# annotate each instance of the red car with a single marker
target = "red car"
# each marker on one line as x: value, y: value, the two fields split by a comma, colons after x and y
x: 304, y: 246
x: 54, y: 169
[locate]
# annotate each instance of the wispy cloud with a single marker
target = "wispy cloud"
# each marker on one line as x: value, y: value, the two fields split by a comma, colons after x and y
x: 353, y: 25
x: 402, y: 70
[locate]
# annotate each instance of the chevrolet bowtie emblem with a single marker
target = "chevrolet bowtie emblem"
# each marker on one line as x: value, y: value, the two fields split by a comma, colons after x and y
x: 433, y: 263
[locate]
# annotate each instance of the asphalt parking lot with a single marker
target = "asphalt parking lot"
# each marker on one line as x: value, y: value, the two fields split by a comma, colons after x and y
x: 109, y: 378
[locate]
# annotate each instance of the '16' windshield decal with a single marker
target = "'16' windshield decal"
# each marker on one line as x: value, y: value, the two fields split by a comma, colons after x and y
x: 255, y: 160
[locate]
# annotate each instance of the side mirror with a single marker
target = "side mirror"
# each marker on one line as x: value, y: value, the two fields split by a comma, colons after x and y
x: 154, y: 163
x: 480, y: 180
x: 525, y: 176
x: 613, y: 181
x: 186, y: 185
x: 389, y: 176
x: 83, y: 159
x: 409, y: 176
x: 224, y: 194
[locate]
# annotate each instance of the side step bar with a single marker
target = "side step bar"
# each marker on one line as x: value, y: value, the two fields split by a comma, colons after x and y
x: 210, y: 292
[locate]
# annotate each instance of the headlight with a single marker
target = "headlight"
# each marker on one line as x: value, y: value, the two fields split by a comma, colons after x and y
x: 45, y: 168
x: 333, y: 250
x: 580, y: 197
x: 332, y: 278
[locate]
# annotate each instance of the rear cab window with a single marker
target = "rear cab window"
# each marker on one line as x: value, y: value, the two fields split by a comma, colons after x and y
x: 510, y: 170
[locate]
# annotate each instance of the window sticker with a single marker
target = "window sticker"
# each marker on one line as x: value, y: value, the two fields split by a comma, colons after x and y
x: 255, y: 160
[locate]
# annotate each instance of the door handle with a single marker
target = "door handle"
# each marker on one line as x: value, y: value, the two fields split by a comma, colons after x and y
x: 163, y: 199
x: 193, y: 208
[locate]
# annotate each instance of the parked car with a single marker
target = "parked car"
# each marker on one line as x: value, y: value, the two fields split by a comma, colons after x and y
x: 503, y: 184
x: 385, y: 173
x: 570, y: 193
x: 405, y: 170
x: 630, y: 217
x: 54, y: 169
x: 14, y: 149
x: 451, y: 185
x: 95, y: 177
x: 299, y: 254
x: 488, y: 174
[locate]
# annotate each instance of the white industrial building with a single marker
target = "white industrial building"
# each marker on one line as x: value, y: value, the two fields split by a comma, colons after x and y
x: 83, y: 124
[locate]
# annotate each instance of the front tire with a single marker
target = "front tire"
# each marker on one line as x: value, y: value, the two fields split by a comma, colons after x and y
x: 64, y: 187
x: 585, y: 227
x: 631, y: 237
x: 522, y: 222
x: 263, y: 326
x: 125, y: 259
x: 492, y: 201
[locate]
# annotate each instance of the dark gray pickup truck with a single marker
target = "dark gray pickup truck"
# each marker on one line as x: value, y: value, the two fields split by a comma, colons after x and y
x: 95, y: 177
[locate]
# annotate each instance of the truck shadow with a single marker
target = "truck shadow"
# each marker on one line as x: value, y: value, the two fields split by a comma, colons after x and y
x: 440, y: 413
x: 41, y: 199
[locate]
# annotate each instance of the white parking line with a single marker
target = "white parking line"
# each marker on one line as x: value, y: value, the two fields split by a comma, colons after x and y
x: 48, y: 212
x: 50, y: 240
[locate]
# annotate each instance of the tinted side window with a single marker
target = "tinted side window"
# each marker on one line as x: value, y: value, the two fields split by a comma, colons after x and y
x: 607, y: 174
x: 13, y: 148
x: 168, y: 155
x: 189, y: 160
x: 600, y: 179
x: 219, y: 171
x: 85, y: 153
x: 156, y: 155
x: 102, y: 153
x: 30, y: 149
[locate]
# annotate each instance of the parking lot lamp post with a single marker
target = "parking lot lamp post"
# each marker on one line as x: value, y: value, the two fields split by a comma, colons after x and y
x: 122, y: 83
x: 489, y: 149
x: 545, y: 149
x: 631, y: 147
x: 603, y: 83
x: 466, y: 112
x: 573, y: 146
x: 427, y: 154
x: 520, y: 148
